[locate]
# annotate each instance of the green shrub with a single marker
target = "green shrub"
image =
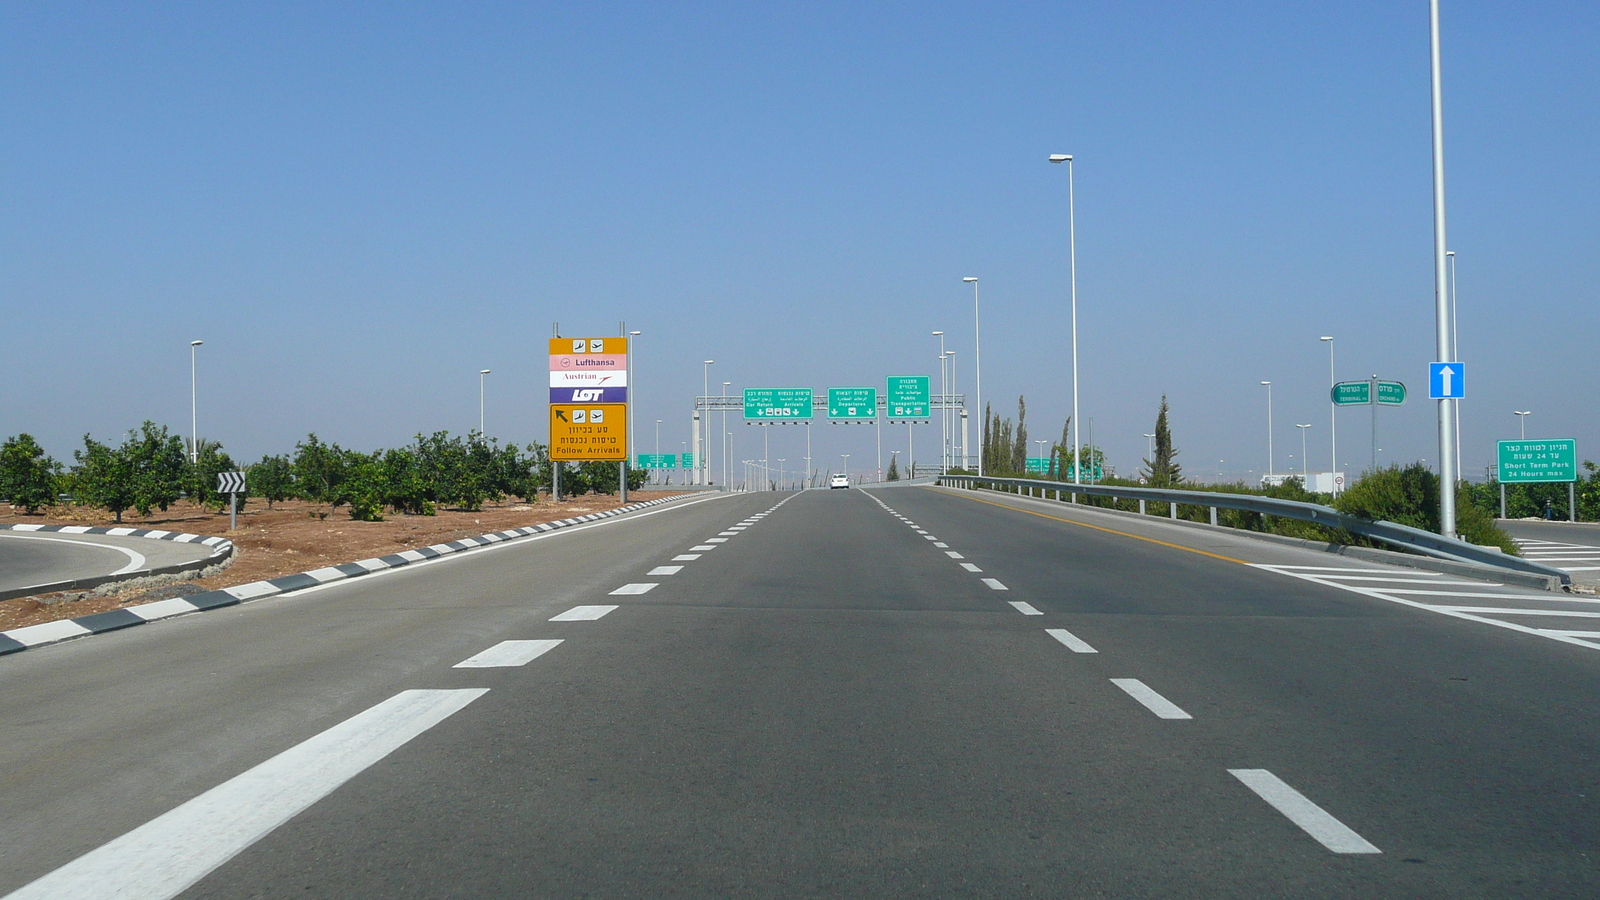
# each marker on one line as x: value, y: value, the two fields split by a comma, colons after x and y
x: 28, y: 478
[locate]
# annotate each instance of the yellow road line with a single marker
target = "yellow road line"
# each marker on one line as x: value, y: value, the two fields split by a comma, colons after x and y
x: 1137, y: 537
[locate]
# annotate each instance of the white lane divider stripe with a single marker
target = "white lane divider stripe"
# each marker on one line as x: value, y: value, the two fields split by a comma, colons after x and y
x: 1026, y: 608
x: 1070, y: 641
x: 583, y: 613
x: 929, y: 537
x: 953, y: 555
x: 728, y: 533
x: 995, y: 585
x: 685, y: 557
x: 635, y: 588
x: 703, y: 547
x: 1161, y: 706
x: 717, y: 540
x: 940, y: 544
x: 508, y: 654
x: 1312, y: 819
x: 970, y: 567
x: 166, y: 855
x: 665, y: 570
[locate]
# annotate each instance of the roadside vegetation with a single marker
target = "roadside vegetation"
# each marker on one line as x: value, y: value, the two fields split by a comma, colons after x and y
x: 152, y: 469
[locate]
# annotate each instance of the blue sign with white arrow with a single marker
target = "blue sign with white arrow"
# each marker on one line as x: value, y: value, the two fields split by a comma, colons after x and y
x: 1446, y: 381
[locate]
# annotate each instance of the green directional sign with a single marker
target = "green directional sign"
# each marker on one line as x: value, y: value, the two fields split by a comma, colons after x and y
x: 1359, y: 393
x: 910, y: 397
x: 852, y: 403
x: 685, y: 461
x: 658, y: 460
x: 1523, y: 462
x: 777, y: 403
x: 1037, y: 465
x: 1352, y: 393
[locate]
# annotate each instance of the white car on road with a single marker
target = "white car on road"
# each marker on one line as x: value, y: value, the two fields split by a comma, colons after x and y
x: 839, y: 481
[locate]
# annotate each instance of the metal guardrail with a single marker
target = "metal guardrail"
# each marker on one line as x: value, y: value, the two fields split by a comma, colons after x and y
x: 1392, y: 533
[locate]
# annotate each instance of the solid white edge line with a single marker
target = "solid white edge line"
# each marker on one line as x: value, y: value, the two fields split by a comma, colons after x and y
x: 1161, y: 706
x: 508, y: 654
x: 1312, y: 819
x: 1070, y: 641
x: 166, y: 855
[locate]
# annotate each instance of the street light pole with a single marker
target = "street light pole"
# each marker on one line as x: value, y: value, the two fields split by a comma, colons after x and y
x: 1523, y: 418
x: 944, y: 414
x: 1455, y: 354
x: 633, y: 431
x: 1269, y: 428
x: 194, y: 414
x: 846, y: 465
x: 954, y: 418
x: 481, y: 373
x: 1333, y: 415
x: 1305, y: 473
x: 977, y: 364
x: 1151, y: 448
x: 724, y: 440
x: 703, y: 464
x: 1072, y: 244
x: 1442, y: 329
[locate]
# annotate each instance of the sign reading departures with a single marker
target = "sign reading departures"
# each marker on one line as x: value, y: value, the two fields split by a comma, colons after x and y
x: 589, y: 398
x: 851, y: 403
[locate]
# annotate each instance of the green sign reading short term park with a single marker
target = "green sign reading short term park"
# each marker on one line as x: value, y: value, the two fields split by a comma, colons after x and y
x: 1522, y: 462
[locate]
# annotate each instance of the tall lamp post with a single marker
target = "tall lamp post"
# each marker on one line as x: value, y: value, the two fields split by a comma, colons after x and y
x: 1269, y: 428
x: 1333, y: 414
x: 1455, y: 354
x: 1150, y: 447
x: 194, y: 414
x: 1072, y: 244
x: 1442, y: 328
x: 944, y: 413
x: 846, y: 465
x: 977, y: 364
x: 633, y: 431
x: 1305, y: 473
x: 481, y: 373
x: 1522, y: 417
x: 725, y: 433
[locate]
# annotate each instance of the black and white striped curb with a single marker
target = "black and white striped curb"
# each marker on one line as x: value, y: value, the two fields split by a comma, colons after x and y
x: 19, y: 639
x: 221, y: 549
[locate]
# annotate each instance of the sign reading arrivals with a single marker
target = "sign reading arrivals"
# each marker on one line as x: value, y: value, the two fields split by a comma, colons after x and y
x: 589, y: 398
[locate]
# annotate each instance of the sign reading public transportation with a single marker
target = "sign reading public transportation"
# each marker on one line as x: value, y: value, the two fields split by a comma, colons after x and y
x: 589, y: 398
x: 845, y: 404
x: 1524, y: 462
x: 777, y: 403
x: 909, y: 397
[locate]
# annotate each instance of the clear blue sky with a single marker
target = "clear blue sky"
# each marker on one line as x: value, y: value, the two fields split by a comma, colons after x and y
x: 357, y: 207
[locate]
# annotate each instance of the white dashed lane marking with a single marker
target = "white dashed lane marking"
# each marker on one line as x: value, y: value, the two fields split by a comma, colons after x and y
x: 685, y: 557
x: 583, y: 614
x: 665, y: 570
x: 970, y: 567
x: 953, y: 554
x: 995, y: 585
x: 1161, y: 706
x: 1070, y: 641
x: 507, y: 654
x: 940, y: 544
x: 717, y: 540
x: 1312, y: 819
x: 636, y: 588
x: 1026, y: 608
x: 703, y: 547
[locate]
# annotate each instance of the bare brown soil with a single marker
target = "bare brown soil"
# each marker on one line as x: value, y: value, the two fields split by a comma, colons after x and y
x: 294, y: 536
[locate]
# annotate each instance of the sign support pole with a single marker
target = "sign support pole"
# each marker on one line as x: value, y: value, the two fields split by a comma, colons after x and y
x: 233, y: 512
x: 1372, y: 398
x: 1441, y: 297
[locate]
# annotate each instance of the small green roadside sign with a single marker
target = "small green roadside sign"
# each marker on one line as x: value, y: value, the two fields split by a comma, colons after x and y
x: 1391, y: 393
x: 910, y: 397
x: 849, y: 403
x: 685, y: 460
x: 658, y: 461
x: 777, y: 403
x: 1525, y: 462
x: 1359, y: 393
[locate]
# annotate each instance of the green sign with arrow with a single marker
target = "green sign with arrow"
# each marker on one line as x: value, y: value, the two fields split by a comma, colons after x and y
x: 852, y: 403
x: 777, y: 403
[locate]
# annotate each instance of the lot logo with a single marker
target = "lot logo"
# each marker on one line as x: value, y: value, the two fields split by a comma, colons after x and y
x: 587, y: 395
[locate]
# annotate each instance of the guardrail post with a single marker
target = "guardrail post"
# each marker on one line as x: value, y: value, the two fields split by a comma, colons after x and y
x: 1141, y: 506
x: 1213, y: 515
x: 1172, y: 510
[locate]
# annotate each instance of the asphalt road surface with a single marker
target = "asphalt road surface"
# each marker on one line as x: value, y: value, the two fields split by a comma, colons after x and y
x: 904, y: 692
x: 1573, y: 546
x: 28, y: 559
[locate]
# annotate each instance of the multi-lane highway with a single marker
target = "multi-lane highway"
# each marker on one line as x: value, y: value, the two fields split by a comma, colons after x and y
x: 900, y: 692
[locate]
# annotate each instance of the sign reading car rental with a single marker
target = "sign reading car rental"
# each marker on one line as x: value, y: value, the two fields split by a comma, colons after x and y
x: 1522, y: 462
x: 777, y: 403
x: 589, y: 398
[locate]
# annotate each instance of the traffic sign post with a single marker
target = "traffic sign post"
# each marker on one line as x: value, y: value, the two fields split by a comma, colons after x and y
x: 909, y: 397
x: 852, y: 404
x: 1447, y: 381
x: 232, y: 484
x: 777, y: 403
x: 1539, y: 462
x: 1361, y: 393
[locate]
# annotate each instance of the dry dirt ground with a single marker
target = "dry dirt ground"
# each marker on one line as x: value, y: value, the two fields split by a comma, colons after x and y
x: 293, y: 536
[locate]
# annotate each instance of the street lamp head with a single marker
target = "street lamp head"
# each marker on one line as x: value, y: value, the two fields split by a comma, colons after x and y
x: 635, y: 333
x: 1520, y: 413
x: 937, y: 333
x: 196, y: 343
x: 710, y: 361
x: 484, y: 371
x: 969, y: 279
x: 1266, y: 382
x: 1449, y: 253
x: 1060, y: 157
x: 1326, y: 337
